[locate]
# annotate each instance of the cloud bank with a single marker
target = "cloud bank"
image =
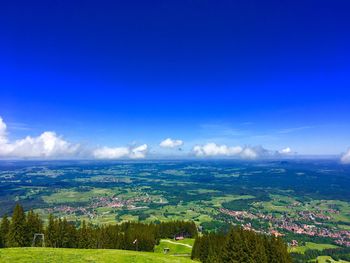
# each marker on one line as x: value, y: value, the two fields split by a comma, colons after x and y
x: 213, y: 149
x: 170, y: 143
x: 46, y: 145
x: 138, y: 152
x: 49, y: 145
x: 345, y: 159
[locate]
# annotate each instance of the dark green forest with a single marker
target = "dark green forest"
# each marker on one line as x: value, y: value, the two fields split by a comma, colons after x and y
x: 239, y: 245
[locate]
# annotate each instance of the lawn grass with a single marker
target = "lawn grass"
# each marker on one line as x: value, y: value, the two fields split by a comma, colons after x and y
x: 53, y: 255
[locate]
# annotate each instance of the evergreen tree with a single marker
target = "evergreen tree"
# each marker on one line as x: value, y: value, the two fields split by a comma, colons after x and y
x: 216, y: 242
x: 259, y: 253
x: 51, y: 232
x: 239, y: 246
x: 17, y: 236
x: 196, y: 248
x: 233, y: 249
x: 4, y: 229
x: 68, y: 234
x: 83, y: 241
x: 34, y: 225
x: 277, y: 251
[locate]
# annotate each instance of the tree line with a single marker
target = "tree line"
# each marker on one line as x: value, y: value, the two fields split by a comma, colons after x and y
x: 60, y: 233
x: 240, y: 245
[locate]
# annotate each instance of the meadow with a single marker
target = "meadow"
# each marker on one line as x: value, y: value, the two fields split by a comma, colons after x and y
x: 52, y: 255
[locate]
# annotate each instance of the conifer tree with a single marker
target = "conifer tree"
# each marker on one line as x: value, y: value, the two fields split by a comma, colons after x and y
x: 17, y: 236
x: 51, y: 234
x: 233, y: 249
x: 4, y: 229
x: 278, y: 251
x: 196, y: 248
x: 68, y: 234
x: 83, y: 241
x: 259, y: 251
x: 33, y: 225
x: 240, y: 246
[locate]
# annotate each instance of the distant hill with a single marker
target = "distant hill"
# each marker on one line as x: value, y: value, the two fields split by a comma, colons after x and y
x: 68, y: 255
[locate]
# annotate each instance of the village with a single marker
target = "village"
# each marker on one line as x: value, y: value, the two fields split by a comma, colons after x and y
x: 316, y: 229
x: 89, y: 210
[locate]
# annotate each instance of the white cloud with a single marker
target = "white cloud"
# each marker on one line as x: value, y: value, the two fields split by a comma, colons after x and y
x: 111, y: 153
x: 170, y: 143
x: 249, y: 153
x: 51, y: 145
x: 213, y: 149
x: 138, y: 152
x: 285, y: 151
x: 346, y: 157
x: 47, y: 145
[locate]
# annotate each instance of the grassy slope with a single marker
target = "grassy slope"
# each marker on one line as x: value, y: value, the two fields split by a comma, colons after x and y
x: 51, y: 255
x: 178, y: 248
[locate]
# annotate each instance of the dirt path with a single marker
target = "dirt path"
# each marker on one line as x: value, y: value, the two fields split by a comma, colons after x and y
x: 172, y: 242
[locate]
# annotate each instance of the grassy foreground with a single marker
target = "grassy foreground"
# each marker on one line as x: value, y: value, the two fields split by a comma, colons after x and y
x: 48, y: 255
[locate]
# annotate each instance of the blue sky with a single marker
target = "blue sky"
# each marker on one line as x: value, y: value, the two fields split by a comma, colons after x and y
x: 127, y: 73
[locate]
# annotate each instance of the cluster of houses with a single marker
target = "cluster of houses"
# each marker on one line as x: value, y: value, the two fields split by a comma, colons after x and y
x: 238, y: 215
x: 342, y: 237
x: 312, y: 216
x: 117, y: 202
x: 343, y: 242
x: 103, y: 201
x: 70, y: 210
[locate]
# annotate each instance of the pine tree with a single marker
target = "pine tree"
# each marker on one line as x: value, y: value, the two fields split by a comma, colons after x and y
x: 4, y: 229
x: 16, y: 236
x: 83, y: 241
x: 33, y: 225
x: 259, y: 252
x: 233, y: 249
x: 50, y: 233
x: 68, y: 234
x: 196, y: 248
x: 278, y: 252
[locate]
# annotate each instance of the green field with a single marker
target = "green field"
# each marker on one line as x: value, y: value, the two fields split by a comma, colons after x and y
x: 73, y: 195
x: 327, y: 259
x: 311, y: 245
x: 48, y: 255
